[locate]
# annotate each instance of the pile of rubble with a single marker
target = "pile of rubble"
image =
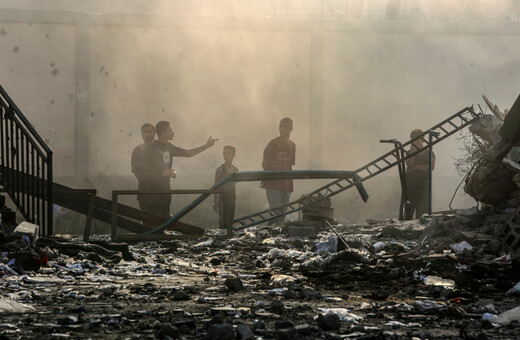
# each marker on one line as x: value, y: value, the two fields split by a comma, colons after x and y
x: 438, y: 277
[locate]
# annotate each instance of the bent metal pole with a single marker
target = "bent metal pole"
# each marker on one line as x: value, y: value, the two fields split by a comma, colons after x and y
x: 431, y: 134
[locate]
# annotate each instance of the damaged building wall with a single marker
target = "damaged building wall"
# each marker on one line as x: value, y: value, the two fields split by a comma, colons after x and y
x: 38, y: 72
x: 379, y: 80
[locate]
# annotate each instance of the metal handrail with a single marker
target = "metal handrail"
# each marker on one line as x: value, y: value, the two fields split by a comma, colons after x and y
x: 25, y: 165
x: 249, y: 176
x: 117, y: 193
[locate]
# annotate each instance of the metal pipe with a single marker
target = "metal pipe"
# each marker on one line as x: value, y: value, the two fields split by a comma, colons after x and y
x: 2, y: 136
x: 28, y: 175
x: 28, y: 126
x: 26, y: 163
x: 43, y: 217
x: 113, y: 229
x: 23, y: 181
x: 38, y: 191
x: 431, y: 134
x: 49, y: 225
x: 33, y: 186
x: 399, y: 155
x: 9, y: 154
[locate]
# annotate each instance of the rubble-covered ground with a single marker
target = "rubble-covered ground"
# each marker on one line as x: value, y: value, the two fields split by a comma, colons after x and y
x: 443, y: 277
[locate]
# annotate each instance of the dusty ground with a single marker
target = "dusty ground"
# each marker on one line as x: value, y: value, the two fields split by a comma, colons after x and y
x: 264, y: 284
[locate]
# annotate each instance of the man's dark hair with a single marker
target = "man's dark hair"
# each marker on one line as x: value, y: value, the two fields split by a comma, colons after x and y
x: 161, y: 126
x: 286, y: 120
x: 231, y: 147
x: 416, y: 133
x: 145, y: 125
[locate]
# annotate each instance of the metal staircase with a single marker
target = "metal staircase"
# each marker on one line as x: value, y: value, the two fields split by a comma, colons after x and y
x: 25, y: 165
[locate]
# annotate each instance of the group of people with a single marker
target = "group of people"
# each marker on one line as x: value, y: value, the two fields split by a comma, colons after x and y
x: 152, y: 166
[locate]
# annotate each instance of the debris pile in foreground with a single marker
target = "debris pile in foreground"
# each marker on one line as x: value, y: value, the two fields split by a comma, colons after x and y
x: 439, y: 277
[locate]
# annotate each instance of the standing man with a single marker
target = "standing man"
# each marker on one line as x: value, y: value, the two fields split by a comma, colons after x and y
x: 138, y: 161
x: 279, y: 154
x: 417, y: 177
x: 159, y: 156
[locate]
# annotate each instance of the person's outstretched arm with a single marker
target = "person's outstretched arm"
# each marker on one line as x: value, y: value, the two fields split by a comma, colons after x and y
x: 195, y: 151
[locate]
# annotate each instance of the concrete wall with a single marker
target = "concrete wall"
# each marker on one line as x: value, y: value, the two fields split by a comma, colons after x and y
x: 88, y: 82
x: 38, y: 71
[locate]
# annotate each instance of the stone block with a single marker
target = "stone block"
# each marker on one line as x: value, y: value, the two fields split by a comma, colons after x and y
x: 293, y: 230
x: 318, y: 212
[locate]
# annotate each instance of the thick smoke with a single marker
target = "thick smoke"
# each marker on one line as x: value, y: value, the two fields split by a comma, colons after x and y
x: 233, y: 70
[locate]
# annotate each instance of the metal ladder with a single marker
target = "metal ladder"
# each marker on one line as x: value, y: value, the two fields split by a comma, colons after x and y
x: 314, y: 197
x: 446, y: 128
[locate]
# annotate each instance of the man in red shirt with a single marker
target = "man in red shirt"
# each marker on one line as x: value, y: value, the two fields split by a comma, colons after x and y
x: 417, y: 177
x: 279, y: 154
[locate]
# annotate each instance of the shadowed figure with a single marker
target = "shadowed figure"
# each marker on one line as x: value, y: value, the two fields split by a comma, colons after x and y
x: 138, y: 161
x: 279, y: 155
x: 417, y: 177
x: 159, y: 172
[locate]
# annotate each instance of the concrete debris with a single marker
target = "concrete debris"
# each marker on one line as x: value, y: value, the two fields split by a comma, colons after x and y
x: 27, y: 228
x: 318, y: 213
x: 11, y: 306
x: 328, y: 246
x: 342, y: 314
x: 515, y: 290
x: 244, y: 332
x: 509, y: 316
x: 459, y: 248
x: 490, y: 179
x: 234, y: 284
x: 222, y: 331
x: 436, y: 277
x: 437, y: 281
x: 283, y: 280
x: 512, y: 315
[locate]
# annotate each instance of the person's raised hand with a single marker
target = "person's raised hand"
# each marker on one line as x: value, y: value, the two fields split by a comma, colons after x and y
x: 211, y: 142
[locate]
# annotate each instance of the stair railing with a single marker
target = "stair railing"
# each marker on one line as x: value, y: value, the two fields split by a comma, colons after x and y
x: 26, y: 166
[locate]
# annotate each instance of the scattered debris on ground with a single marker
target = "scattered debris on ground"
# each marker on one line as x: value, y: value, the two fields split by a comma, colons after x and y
x: 442, y: 276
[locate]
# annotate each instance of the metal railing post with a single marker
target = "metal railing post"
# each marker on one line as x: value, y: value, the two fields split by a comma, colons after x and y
x: 114, y: 216
x: 399, y: 155
x: 430, y: 168
x: 88, y: 221
x: 26, y: 163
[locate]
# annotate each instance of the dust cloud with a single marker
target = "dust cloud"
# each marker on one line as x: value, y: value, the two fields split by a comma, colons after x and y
x: 349, y: 73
